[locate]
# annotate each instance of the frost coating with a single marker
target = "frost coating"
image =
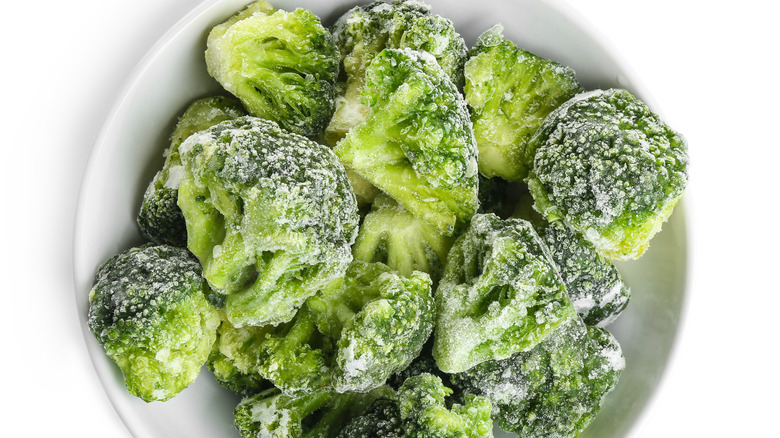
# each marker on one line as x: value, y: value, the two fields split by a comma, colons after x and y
x: 280, y: 208
x: 149, y: 312
x: 416, y: 144
x: 608, y: 167
x: 282, y: 65
x: 510, y: 91
x: 500, y: 294
x: 554, y: 390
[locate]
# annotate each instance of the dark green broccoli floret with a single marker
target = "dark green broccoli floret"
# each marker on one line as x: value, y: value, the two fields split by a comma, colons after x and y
x: 270, y: 215
x: 501, y: 293
x: 160, y: 217
x: 149, y: 312
x: 416, y: 144
x: 380, y: 320
x: 424, y: 414
x: 391, y: 235
x: 321, y: 414
x: 364, y: 31
x: 553, y: 390
x: 510, y: 91
x: 233, y: 358
x: 282, y: 65
x: 381, y: 420
x: 594, y: 284
x: 610, y: 168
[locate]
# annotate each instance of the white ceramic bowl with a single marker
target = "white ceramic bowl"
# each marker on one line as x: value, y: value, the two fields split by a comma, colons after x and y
x: 128, y: 153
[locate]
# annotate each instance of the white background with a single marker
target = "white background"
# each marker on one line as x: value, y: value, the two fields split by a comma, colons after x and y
x: 713, y: 70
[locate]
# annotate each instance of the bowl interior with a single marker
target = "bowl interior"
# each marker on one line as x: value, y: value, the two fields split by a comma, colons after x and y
x: 129, y: 152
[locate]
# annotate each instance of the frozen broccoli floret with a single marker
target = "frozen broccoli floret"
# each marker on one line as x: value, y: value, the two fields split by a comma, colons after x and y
x: 233, y: 358
x: 160, y: 218
x: 391, y: 235
x: 554, y: 390
x: 149, y: 312
x: 501, y: 293
x: 381, y: 420
x: 510, y: 92
x: 282, y: 65
x: 321, y: 414
x: 424, y: 413
x: 416, y: 144
x: 364, y: 31
x: 380, y: 320
x: 610, y: 168
x: 270, y: 215
x: 594, y: 284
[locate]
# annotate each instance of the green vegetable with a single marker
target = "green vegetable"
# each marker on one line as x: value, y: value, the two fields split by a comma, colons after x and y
x: 320, y: 414
x: 510, y: 92
x: 281, y: 65
x: 233, y: 358
x: 364, y: 31
x: 610, y: 168
x: 148, y: 311
x: 270, y: 215
x: 553, y: 390
x: 160, y: 218
x: 390, y: 235
x: 416, y: 144
x: 380, y: 320
x: 500, y: 294
x: 381, y: 419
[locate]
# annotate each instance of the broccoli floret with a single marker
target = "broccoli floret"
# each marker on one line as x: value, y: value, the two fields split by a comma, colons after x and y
x: 233, y: 358
x: 381, y: 420
x: 416, y: 144
x: 364, y: 31
x: 148, y: 311
x: 282, y: 65
x: 380, y: 319
x: 553, y: 390
x: 593, y: 283
x: 320, y: 414
x: 160, y: 218
x: 510, y: 91
x: 501, y: 293
x: 610, y: 168
x: 390, y: 235
x: 421, y: 402
x: 269, y: 214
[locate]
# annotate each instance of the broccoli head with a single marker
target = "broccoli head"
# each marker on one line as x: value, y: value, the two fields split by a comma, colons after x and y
x: 416, y: 144
x: 424, y: 413
x: 233, y: 358
x: 554, y: 390
x: 160, y: 218
x: 510, y: 92
x: 380, y: 320
x: 269, y: 214
x: 149, y: 312
x: 364, y: 31
x: 390, y: 235
x: 320, y: 414
x: 282, y: 65
x: 381, y: 419
x: 501, y: 293
x: 610, y: 168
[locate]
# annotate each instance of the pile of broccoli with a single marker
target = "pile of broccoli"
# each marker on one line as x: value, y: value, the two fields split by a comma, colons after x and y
x: 384, y: 234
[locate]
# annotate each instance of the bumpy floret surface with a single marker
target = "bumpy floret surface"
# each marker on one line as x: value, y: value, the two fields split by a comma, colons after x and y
x: 233, y: 358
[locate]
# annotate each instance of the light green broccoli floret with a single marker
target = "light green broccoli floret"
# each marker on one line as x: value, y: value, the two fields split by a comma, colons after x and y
x: 424, y: 413
x: 160, y: 218
x: 269, y: 214
x: 281, y: 65
x: 416, y: 144
x: 610, y: 168
x: 321, y: 414
x: 149, y: 312
x: 364, y: 31
x: 554, y: 390
x: 380, y: 320
x: 391, y: 235
x: 501, y: 293
x: 233, y: 358
x: 510, y: 91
